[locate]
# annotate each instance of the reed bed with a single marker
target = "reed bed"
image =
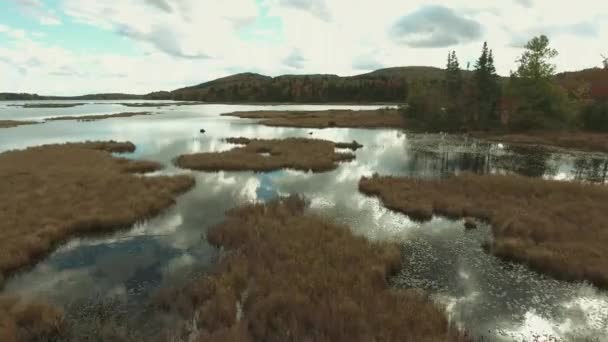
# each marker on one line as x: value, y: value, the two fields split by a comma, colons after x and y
x: 270, y: 155
x: 15, y: 123
x: 381, y: 118
x: 50, y: 193
x: 557, y: 228
x: 22, y: 321
x: 47, y: 105
x: 285, y: 275
x: 86, y: 118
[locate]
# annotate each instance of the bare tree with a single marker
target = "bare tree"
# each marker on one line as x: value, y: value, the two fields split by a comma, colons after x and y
x: 605, y: 62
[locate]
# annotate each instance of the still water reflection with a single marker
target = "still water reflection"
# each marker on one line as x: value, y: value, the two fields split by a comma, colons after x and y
x: 491, y: 298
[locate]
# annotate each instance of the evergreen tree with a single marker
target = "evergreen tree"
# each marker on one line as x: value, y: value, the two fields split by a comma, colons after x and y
x: 486, y: 88
x: 494, y: 91
x: 453, y: 77
x: 481, y: 66
x: 605, y: 62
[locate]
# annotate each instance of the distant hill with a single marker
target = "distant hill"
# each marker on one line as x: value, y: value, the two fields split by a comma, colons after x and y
x: 584, y: 84
x: 411, y: 73
x: 109, y: 96
x: 384, y: 85
x: 19, y: 97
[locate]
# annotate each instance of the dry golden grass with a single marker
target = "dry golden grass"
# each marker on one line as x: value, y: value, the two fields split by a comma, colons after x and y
x: 27, y: 321
x: 288, y: 276
x: 14, y: 123
x: 381, y: 118
x: 160, y: 104
x: 52, y: 192
x: 584, y: 141
x: 48, y: 105
x: 558, y: 228
x: 87, y: 118
x: 269, y: 155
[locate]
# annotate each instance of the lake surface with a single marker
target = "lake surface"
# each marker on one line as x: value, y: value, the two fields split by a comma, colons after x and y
x: 491, y: 298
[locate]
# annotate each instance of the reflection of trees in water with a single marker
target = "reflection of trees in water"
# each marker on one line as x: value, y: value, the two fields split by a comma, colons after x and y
x: 438, y: 156
x: 436, y: 162
x: 482, y: 159
x: 591, y: 169
x: 529, y: 161
x: 433, y: 164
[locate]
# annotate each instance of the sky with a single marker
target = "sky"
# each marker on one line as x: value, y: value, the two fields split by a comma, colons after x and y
x: 74, y: 47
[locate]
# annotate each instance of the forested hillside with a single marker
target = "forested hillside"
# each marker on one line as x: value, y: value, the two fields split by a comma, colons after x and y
x: 26, y: 97
x: 384, y: 85
x: 248, y: 87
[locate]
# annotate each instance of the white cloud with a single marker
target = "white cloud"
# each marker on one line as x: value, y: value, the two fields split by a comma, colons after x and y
x: 11, y: 32
x: 295, y: 59
x: 316, y: 7
x: 37, y: 9
x: 184, y: 42
x: 435, y: 26
x: 50, y: 21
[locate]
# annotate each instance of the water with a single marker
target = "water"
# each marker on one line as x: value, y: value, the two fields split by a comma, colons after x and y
x: 490, y: 297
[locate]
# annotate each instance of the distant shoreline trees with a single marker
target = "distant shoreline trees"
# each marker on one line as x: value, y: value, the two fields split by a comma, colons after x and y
x: 486, y: 89
x: 539, y: 102
x: 531, y: 99
x: 299, y: 89
x: 464, y: 102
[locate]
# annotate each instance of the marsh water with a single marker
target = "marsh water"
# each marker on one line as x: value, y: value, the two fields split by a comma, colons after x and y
x: 491, y: 298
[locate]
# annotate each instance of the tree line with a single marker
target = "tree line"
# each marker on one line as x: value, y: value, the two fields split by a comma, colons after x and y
x: 531, y: 98
x: 307, y: 88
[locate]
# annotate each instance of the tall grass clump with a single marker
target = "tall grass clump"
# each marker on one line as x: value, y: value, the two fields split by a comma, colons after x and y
x: 87, y: 118
x: 270, y: 155
x: 14, y: 123
x: 22, y: 321
x: 285, y: 275
x: 49, y: 193
x: 558, y: 228
x: 381, y: 118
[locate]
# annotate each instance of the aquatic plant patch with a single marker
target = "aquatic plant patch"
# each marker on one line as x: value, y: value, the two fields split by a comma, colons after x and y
x: 269, y: 155
x: 22, y: 321
x: 52, y: 192
x: 558, y: 228
x: 98, y: 117
x: 285, y: 275
x: 381, y: 118
x: 15, y: 123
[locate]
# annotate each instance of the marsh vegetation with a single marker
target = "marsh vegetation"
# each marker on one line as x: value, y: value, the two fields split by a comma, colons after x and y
x: 285, y: 275
x: 269, y: 155
x: 382, y: 118
x: 15, y: 123
x: 47, y: 105
x: 24, y: 321
x: 558, y: 228
x: 50, y: 193
x: 159, y: 104
x: 123, y: 270
x: 87, y: 118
